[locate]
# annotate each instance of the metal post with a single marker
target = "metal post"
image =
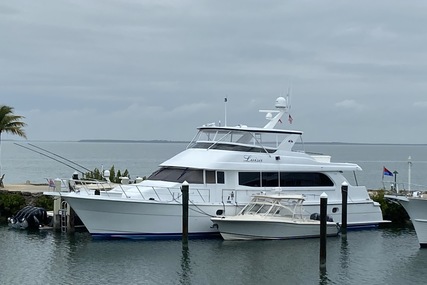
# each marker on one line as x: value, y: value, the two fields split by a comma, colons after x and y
x: 409, y: 173
x: 344, y: 195
x: 70, y: 220
x: 395, y: 181
x: 57, y: 206
x: 184, y: 190
x: 323, y: 212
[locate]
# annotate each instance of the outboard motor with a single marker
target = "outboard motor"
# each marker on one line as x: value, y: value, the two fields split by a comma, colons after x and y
x: 29, y: 217
x: 316, y: 216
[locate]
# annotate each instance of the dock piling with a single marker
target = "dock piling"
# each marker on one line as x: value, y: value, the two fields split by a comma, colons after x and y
x: 323, y: 213
x: 344, y: 196
x: 184, y: 190
x: 57, y: 206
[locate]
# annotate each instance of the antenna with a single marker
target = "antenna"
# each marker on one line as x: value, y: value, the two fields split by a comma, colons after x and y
x: 225, y: 111
x: 288, y: 99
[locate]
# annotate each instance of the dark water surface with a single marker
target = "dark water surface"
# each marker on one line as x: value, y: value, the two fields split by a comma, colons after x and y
x: 383, y: 256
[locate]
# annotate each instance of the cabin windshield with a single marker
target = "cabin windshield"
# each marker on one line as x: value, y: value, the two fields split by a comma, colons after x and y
x: 178, y: 175
x: 191, y: 175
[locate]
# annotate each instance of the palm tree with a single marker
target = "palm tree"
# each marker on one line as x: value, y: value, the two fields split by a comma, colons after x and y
x: 10, y: 123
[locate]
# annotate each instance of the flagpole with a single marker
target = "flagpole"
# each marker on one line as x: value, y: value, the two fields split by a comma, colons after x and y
x: 382, y: 178
x: 409, y: 173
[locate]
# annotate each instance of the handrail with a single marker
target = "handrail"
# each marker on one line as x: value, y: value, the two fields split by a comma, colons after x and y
x: 161, y: 193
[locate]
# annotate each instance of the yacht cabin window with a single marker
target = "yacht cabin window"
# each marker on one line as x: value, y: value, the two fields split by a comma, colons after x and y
x: 180, y: 175
x: 284, y: 179
x: 304, y: 179
x: 252, y: 179
x: 210, y: 177
x: 270, y: 179
x: 220, y: 179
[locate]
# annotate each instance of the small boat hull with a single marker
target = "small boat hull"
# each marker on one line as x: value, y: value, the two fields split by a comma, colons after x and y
x: 238, y: 229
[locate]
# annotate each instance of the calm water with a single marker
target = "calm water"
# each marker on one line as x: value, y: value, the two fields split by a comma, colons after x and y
x: 141, y: 159
x: 381, y: 256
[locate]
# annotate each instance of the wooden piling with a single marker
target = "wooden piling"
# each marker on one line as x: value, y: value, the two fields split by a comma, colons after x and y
x: 323, y: 232
x: 344, y: 197
x: 184, y: 191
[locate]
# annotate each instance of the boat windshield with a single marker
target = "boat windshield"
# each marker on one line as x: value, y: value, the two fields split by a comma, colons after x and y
x: 273, y: 207
x: 180, y: 175
x: 242, y: 140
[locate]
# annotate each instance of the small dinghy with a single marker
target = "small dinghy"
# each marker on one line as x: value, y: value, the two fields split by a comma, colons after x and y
x: 29, y: 217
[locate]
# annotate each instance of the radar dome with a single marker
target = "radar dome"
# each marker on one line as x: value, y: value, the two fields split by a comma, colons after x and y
x: 281, y: 102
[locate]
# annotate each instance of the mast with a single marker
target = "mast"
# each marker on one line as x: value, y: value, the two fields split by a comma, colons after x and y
x: 409, y: 173
x: 282, y: 108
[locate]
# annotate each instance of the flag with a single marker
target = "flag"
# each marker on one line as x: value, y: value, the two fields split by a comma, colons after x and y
x: 225, y: 99
x: 290, y: 119
x: 387, y: 172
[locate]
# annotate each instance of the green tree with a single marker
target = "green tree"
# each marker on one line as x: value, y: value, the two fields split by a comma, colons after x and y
x: 9, y: 123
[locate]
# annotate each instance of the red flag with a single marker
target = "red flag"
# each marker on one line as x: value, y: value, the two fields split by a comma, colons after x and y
x: 387, y: 172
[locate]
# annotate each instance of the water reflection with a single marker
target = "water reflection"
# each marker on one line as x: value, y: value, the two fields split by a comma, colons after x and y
x: 344, y: 253
x: 185, y: 274
x: 323, y: 276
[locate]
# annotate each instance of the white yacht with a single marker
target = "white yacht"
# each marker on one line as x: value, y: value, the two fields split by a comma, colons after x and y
x: 272, y: 216
x: 224, y: 166
x: 416, y: 207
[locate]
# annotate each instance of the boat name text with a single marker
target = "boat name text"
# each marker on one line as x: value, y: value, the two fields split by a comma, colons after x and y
x: 250, y: 158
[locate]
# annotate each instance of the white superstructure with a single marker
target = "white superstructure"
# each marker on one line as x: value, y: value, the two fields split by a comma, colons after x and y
x: 225, y: 166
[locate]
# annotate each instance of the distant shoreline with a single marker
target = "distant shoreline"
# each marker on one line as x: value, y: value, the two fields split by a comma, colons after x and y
x: 131, y: 141
x: 178, y: 141
x: 172, y: 141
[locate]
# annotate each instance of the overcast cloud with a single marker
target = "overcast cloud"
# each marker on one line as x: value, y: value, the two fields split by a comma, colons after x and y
x: 142, y: 70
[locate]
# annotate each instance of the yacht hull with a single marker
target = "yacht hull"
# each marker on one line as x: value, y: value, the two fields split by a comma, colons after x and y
x: 109, y: 217
x: 416, y: 207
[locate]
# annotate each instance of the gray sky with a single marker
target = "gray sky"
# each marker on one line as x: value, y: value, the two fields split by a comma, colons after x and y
x: 142, y: 70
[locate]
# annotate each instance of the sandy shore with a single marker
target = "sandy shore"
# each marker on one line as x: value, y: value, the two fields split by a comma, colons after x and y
x: 33, y: 188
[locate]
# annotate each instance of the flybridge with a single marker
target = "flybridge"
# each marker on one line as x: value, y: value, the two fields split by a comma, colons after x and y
x: 245, y: 139
x: 249, y: 139
x: 243, y: 128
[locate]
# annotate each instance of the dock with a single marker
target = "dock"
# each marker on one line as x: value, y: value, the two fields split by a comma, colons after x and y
x: 27, y: 187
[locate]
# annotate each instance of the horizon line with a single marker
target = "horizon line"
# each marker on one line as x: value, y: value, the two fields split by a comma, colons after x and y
x: 186, y: 141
